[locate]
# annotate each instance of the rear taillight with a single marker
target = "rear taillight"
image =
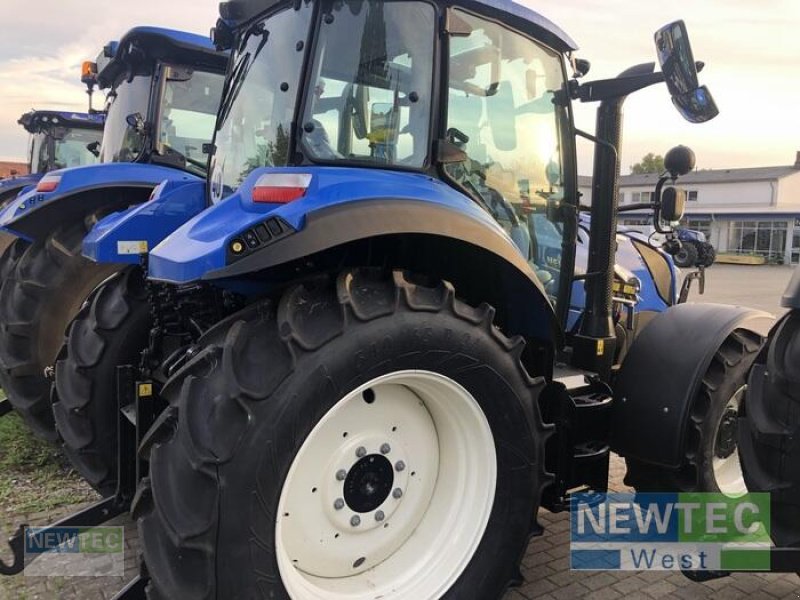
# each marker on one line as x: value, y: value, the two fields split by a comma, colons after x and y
x: 281, y: 188
x: 48, y: 183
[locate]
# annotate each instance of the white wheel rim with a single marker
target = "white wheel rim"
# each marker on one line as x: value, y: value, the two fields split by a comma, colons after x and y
x: 728, y: 470
x: 427, y: 533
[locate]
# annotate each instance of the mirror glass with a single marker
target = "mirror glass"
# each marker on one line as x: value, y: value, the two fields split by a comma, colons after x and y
x: 680, y: 73
x: 696, y: 106
x: 673, y: 204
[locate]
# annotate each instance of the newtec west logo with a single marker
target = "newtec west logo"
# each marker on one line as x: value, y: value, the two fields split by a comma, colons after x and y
x: 670, y: 531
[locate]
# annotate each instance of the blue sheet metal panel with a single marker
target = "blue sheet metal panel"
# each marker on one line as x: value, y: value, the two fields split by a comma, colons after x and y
x: 201, y: 244
x: 122, y: 237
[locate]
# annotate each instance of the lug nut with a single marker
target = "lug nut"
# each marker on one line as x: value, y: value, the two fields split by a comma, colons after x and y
x: 361, y: 452
x: 355, y: 521
x: 397, y: 493
x: 338, y: 504
x: 379, y: 516
x: 400, y: 466
x: 385, y: 449
x: 341, y: 475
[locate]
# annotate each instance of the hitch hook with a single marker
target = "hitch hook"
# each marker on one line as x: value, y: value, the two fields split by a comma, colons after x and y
x: 16, y: 542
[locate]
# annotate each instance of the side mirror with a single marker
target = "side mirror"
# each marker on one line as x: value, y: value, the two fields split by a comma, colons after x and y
x: 358, y: 106
x: 384, y: 121
x: 673, y: 204
x: 94, y: 148
x: 693, y: 101
x: 136, y: 122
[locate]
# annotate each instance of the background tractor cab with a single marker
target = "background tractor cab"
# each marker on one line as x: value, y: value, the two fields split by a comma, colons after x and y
x: 58, y: 139
x: 162, y: 93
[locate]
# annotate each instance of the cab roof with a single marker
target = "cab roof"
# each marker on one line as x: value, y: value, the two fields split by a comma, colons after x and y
x: 146, y: 45
x: 35, y: 121
x: 237, y: 12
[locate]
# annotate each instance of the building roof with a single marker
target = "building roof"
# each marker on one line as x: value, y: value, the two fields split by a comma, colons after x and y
x: 717, y: 176
x: 706, y: 176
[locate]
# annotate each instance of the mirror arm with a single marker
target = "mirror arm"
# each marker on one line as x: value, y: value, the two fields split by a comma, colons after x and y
x: 632, y: 80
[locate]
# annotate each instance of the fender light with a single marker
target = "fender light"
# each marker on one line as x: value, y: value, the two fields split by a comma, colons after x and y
x: 281, y: 188
x: 48, y: 183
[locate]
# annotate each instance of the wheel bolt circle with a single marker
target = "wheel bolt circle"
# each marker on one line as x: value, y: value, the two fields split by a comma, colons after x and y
x: 385, y: 449
x: 338, y: 504
x: 397, y: 493
x: 361, y: 452
x: 379, y: 516
x: 400, y: 466
x: 341, y: 475
x: 355, y: 521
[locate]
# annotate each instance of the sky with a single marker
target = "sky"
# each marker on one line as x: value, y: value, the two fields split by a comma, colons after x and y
x: 751, y: 50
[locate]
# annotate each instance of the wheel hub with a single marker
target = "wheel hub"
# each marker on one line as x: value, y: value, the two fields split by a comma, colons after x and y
x: 726, y: 436
x: 369, y: 483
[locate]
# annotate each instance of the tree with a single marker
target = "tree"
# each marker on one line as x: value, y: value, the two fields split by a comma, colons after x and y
x: 650, y: 163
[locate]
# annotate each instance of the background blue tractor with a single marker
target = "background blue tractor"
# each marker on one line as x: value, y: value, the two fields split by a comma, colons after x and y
x: 163, y: 90
x: 695, y: 250
x: 367, y: 351
x: 58, y: 139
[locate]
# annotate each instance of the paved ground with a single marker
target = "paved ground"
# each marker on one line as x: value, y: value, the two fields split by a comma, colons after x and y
x: 757, y: 287
x: 546, y: 563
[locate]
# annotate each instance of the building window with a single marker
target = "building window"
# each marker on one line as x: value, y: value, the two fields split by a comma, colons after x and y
x: 764, y: 238
x: 692, y: 196
x: 642, y: 197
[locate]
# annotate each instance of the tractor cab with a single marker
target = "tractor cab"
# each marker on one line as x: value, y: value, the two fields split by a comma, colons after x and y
x: 162, y: 93
x: 59, y: 139
x: 382, y: 86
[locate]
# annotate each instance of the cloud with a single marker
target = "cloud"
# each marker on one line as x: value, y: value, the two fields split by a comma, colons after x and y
x: 44, y: 45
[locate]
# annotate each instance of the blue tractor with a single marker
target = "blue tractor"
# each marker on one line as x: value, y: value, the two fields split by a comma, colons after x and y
x: 58, y: 139
x: 366, y: 361
x: 163, y: 89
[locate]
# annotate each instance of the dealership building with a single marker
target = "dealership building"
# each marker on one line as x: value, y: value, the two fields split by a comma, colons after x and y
x: 741, y: 211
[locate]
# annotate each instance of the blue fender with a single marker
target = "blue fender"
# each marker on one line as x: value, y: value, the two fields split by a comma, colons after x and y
x: 344, y: 205
x: 12, y: 186
x: 33, y: 213
x: 123, y: 236
x: 201, y: 245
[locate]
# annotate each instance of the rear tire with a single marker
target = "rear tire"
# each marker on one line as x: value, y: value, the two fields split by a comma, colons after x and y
x: 111, y: 329
x: 710, y: 455
x: 38, y: 298
x: 258, y: 430
x: 771, y: 427
x: 686, y: 256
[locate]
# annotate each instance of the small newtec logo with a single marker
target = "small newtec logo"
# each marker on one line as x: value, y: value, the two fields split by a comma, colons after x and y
x: 670, y: 531
x: 84, y: 551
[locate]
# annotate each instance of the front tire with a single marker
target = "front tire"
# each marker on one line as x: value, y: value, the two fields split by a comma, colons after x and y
x: 710, y: 460
x: 686, y: 257
x: 111, y: 329
x: 369, y: 437
x: 39, y: 297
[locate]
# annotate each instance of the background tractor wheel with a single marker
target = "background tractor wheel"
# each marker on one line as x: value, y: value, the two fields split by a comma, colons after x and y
x: 38, y: 298
x: 711, y: 456
x: 707, y: 255
x: 366, y: 437
x: 111, y: 329
x: 687, y: 256
x: 768, y: 433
